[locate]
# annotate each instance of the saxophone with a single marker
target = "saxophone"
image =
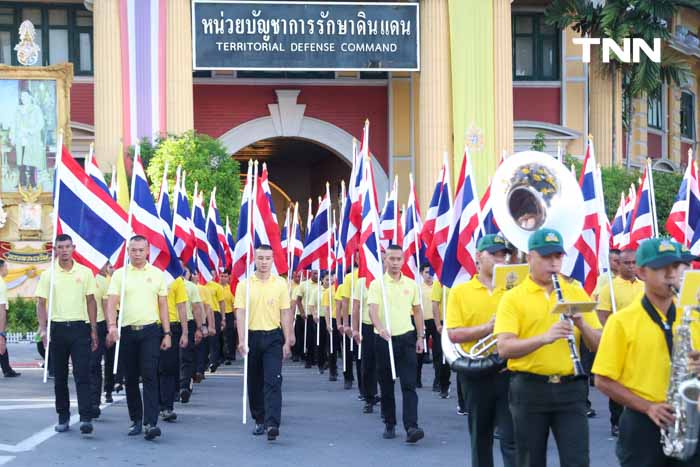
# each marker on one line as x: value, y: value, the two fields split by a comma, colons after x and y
x: 680, y: 439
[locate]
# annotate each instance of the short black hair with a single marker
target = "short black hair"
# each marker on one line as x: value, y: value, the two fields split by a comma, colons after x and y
x: 64, y: 238
x: 138, y: 238
x: 424, y: 265
x: 394, y: 247
x: 227, y: 271
x: 615, y: 251
x: 264, y: 247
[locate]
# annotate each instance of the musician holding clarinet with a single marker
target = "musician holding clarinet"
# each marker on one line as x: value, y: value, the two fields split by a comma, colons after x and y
x: 548, y: 389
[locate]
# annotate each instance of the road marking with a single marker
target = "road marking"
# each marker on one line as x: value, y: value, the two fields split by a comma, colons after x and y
x: 45, y: 399
x: 26, y: 406
x: 39, y: 437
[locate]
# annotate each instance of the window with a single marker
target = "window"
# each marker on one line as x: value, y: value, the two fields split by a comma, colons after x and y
x: 535, y: 49
x: 688, y: 115
x: 64, y: 33
x: 654, y: 110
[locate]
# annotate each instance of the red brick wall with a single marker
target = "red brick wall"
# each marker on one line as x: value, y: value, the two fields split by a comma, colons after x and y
x: 219, y: 108
x: 82, y: 107
x: 537, y: 104
x: 653, y: 145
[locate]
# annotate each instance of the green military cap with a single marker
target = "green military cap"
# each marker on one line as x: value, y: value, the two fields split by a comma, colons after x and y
x: 545, y: 242
x: 686, y: 255
x: 656, y: 253
x: 492, y: 243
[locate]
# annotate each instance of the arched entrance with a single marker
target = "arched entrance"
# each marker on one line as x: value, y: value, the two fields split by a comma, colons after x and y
x: 299, y: 170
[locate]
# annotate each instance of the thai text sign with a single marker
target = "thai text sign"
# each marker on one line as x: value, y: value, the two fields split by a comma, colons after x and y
x: 304, y: 36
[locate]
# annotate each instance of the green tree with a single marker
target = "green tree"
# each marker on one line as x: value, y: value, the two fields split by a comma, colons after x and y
x: 206, y: 161
x: 538, y: 142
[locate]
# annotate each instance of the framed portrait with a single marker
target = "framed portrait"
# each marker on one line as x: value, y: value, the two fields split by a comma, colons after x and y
x: 36, y: 102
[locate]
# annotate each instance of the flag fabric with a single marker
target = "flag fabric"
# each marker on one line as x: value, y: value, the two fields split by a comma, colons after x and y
x: 146, y: 222
x: 488, y: 222
x: 459, y: 259
x: 164, y: 212
x: 265, y: 223
x: 388, y: 223
x: 243, y: 250
x: 284, y: 235
x: 685, y: 213
x: 642, y: 224
x: 428, y: 228
x: 230, y: 245
x: 93, y: 170
x: 296, y: 245
x: 438, y: 241
x: 316, y: 253
x: 618, y: 225
x: 412, y: 243
x: 225, y: 258
x: 351, y: 217
x: 630, y: 203
x: 604, y: 226
x: 370, y: 267
x: 183, y: 234
x: 113, y: 188
x: 203, y: 263
x: 581, y: 261
x: 214, y: 247
x: 95, y: 221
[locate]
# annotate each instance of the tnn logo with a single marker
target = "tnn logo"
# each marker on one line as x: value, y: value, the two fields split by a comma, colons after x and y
x: 623, y: 53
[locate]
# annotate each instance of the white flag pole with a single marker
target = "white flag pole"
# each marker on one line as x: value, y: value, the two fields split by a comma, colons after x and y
x: 331, y: 226
x: 652, y: 197
x: 249, y: 272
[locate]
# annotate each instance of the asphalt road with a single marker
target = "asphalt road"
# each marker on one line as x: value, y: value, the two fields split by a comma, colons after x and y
x: 322, y: 424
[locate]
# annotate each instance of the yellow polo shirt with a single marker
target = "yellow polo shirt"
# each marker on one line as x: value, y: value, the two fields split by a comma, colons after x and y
x: 305, y: 292
x: 143, y: 287
x: 427, y: 291
x: 177, y: 293
x: 360, y: 293
x: 192, y: 298
x: 313, y: 297
x: 345, y: 289
x: 70, y: 289
x: 472, y: 304
x: 217, y: 295
x: 228, y: 298
x: 633, y: 351
x: 267, y: 299
x: 101, y: 285
x: 401, y: 296
x: 204, y: 294
x: 326, y: 302
x: 293, y: 295
x: 526, y: 311
x: 436, y: 296
x: 625, y: 293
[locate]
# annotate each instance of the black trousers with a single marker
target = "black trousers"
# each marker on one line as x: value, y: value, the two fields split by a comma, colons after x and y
x: 5, y: 362
x: 639, y: 444
x: 96, y: 365
x: 368, y: 364
x: 298, y: 348
x: 231, y: 336
x: 337, y: 348
x: 488, y: 409
x: 310, y: 340
x: 350, y: 360
x: 405, y: 362
x: 140, y: 352
x: 442, y: 369
x: 323, y: 343
x: 265, y: 376
x: 169, y: 369
x: 110, y: 378
x: 201, y: 351
x: 71, y: 339
x: 215, y: 341
x: 188, y: 357
x: 538, y: 407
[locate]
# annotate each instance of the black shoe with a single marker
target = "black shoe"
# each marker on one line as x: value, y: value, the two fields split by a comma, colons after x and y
x: 214, y: 367
x: 259, y: 429
x: 61, y: 427
x: 108, y: 397
x: 185, y: 396
x: 168, y: 416
x: 444, y: 394
x: 12, y: 374
x: 272, y: 433
x: 413, y: 435
x: 227, y: 362
x: 86, y: 428
x: 591, y: 413
x: 96, y: 412
x: 360, y: 397
x: 615, y: 431
x: 389, y: 432
x: 332, y: 377
x: 135, y: 429
x: 295, y: 359
x: 461, y: 411
x: 369, y: 408
x: 118, y: 388
x: 376, y: 400
x: 151, y: 432
x: 348, y: 385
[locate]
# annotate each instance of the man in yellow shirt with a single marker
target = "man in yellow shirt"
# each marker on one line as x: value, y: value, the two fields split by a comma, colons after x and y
x: 101, y: 284
x: 471, y: 312
x: 344, y: 328
x: 401, y: 295
x: 229, y: 334
x: 218, y: 307
x: 633, y: 365
x: 545, y: 393
x: 440, y: 297
x: 169, y: 363
x: 73, y: 324
x: 195, y: 325
x: 7, y: 370
x: 268, y: 340
x: 307, y: 293
x: 208, y: 329
x: 321, y: 338
x: 145, y: 332
x: 298, y: 349
x: 363, y: 334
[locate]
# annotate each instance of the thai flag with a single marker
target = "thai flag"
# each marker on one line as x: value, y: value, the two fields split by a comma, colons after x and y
x: 316, y: 253
x: 183, y: 234
x: 630, y: 203
x: 230, y: 244
x: 413, y: 249
x: 370, y: 267
x: 581, y: 261
x: 146, y: 222
x: 164, y: 212
x: 243, y: 250
x: 214, y: 247
x: 284, y: 235
x: 351, y: 217
x: 296, y: 245
x: 438, y: 242
x: 428, y: 228
x: 265, y: 223
x: 618, y: 225
x: 642, y: 217
x: 488, y: 223
x: 686, y: 206
x: 93, y: 170
x: 459, y: 260
x: 98, y: 225
x: 225, y: 259
x: 204, y: 264
x: 389, y: 222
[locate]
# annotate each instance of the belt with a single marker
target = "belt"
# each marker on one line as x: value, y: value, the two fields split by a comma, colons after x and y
x: 549, y: 379
x: 69, y: 323
x: 135, y: 327
x: 271, y: 331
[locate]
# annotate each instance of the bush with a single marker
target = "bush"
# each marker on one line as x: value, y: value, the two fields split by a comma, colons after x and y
x: 21, y: 315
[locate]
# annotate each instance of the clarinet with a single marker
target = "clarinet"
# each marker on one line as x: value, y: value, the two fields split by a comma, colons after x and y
x: 570, y: 339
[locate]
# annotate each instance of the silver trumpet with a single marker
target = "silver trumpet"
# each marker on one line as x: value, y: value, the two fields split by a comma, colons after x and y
x: 570, y: 339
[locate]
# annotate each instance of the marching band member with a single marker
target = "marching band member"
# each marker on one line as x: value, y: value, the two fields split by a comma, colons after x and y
x: 73, y: 330
x: 633, y: 365
x: 145, y: 306
x: 195, y: 326
x: 229, y: 334
x: 270, y: 337
x: 471, y: 312
x: 169, y: 363
x: 101, y: 285
x: 545, y: 393
x: 626, y: 288
x: 402, y: 302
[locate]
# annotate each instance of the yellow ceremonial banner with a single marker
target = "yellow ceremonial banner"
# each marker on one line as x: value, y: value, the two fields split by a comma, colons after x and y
x: 507, y: 276
x: 690, y: 289
x: 122, y: 182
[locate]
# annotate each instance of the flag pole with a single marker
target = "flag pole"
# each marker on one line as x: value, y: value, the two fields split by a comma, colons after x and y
x: 122, y: 292
x: 652, y: 196
x: 52, y: 273
x: 249, y: 272
x: 289, y: 262
x: 331, y: 226
x: 687, y: 202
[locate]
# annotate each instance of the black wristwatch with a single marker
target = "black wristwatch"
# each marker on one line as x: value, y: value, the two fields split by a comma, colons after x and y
x: 167, y: 333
